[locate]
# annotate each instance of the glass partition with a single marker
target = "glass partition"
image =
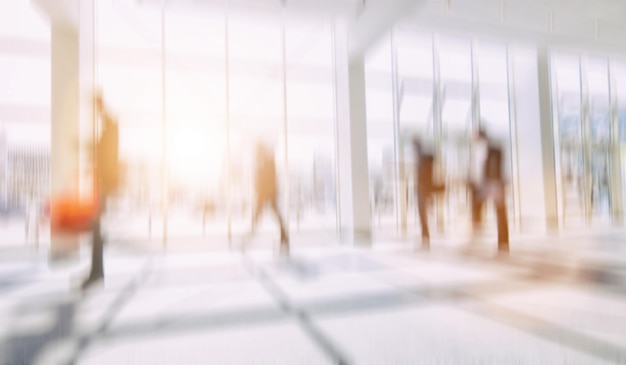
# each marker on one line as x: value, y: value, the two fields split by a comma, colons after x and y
x: 195, y: 88
x: 24, y: 124
x: 568, y: 109
x: 455, y: 58
x: 380, y: 136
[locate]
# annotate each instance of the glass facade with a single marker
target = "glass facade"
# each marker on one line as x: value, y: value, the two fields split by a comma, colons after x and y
x: 195, y: 87
x: 587, y: 120
x: 24, y: 123
x: 444, y: 88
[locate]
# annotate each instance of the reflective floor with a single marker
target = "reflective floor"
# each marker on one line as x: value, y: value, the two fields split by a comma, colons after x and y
x: 554, y: 300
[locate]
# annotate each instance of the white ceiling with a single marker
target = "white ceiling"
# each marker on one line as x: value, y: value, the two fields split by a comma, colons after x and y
x: 586, y: 24
x: 344, y: 8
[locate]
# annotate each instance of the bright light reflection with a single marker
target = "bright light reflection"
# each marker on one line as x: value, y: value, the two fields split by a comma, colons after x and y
x: 189, y: 143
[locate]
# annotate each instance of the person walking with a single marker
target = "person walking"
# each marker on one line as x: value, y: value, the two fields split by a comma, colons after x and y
x: 266, y: 189
x: 425, y: 187
x: 106, y: 175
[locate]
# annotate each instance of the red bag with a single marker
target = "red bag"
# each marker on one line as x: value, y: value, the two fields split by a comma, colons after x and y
x: 73, y: 214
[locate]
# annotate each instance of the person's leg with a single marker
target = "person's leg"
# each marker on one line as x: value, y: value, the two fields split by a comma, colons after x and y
x: 284, y: 237
x: 502, y: 220
x: 97, y: 253
x: 422, y: 209
x: 96, y: 273
x: 256, y: 214
x: 477, y: 207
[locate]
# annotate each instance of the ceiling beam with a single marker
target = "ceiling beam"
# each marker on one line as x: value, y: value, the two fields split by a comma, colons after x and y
x: 507, y: 33
x: 375, y: 19
x: 60, y: 13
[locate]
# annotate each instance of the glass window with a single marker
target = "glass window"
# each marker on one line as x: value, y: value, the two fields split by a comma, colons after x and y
x: 494, y: 95
x: 24, y: 123
x: 566, y: 77
x: 618, y: 70
x: 129, y: 73
x: 195, y: 105
x: 380, y: 137
x: 311, y: 113
x: 598, y: 88
x: 455, y: 59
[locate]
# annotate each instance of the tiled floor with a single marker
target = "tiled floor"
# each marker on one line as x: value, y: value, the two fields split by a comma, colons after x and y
x: 325, y: 305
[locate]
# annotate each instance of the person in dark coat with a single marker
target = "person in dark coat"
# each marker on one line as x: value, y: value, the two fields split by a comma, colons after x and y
x: 425, y: 187
x: 494, y: 189
x: 107, y: 176
x: 266, y: 188
x: 490, y: 186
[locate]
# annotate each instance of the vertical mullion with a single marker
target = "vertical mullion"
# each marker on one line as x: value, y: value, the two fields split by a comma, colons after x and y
x: 586, y: 147
x: 514, y: 138
x: 286, y: 194
x: 336, y: 127
x: 400, y: 198
x: 164, y: 164
x: 615, y: 158
x: 437, y: 120
x: 228, y: 130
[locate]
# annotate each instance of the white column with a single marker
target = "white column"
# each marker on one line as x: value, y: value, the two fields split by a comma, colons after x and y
x: 532, y: 112
x: 64, y: 118
x: 87, y: 85
x: 354, y: 194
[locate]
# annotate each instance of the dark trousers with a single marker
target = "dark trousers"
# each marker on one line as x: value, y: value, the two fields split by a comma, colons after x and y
x: 478, y: 203
x: 258, y: 210
x: 503, y: 227
x: 477, y: 206
x: 97, y: 243
x: 424, y: 199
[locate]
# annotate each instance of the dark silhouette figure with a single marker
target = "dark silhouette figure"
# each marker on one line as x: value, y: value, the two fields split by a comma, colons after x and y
x: 495, y: 187
x: 492, y: 187
x: 266, y: 188
x: 106, y: 175
x: 425, y: 187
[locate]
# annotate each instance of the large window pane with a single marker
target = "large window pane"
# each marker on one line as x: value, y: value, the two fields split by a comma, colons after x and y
x: 599, y: 136
x: 619, y: 77
x: 456, y: 123
x: 195, y: 104
x: 256, y: 111
x: 132, y: 89
x: 24, y: 123
x: 414, y: 52
x: 380, y: 135
x: 567, y: 108
x: 311, y: 113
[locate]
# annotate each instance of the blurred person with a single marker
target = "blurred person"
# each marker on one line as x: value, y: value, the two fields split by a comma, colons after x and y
x: 266, y: 189
x: 491, y: 187
x: 495, y: 190
x: 425, y: 187
x: 107, y: 179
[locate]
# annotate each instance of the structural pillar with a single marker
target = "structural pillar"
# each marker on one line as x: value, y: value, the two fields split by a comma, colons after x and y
x: 351, y: 134
x: 548, y: 151
x: 65, y: 123
x: 531, y: 112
